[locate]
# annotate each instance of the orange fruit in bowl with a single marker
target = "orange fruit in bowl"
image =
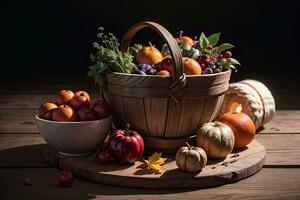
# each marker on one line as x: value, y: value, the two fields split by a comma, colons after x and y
x: 46, y: 109
x: 64, y: 96
x: 83, y: 93
x: 191, y: 66
x: 64, y: 113
x: 163, y: 73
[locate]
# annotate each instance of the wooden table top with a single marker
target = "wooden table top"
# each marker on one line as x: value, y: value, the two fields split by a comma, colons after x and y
x: 20, y: 158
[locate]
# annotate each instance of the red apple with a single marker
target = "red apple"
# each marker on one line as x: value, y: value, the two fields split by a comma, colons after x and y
x: 79, y: 101
x: 101, y: 109
x: 64, y: 113
x: 86, y: 114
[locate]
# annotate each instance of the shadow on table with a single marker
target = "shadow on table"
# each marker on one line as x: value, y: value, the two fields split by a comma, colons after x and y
x: 27, y: 161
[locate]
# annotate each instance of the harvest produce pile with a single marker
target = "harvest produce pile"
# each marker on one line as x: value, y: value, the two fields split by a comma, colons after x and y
x: 199, y: 56
x: 70, y: 107
x: 214, y: 140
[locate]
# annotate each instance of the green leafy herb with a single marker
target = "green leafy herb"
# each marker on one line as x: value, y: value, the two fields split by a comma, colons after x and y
x: 224, y: 47
x: 135, y: 49
x: 203, y: 41
x: 213, y: 39
x: 108, y: 57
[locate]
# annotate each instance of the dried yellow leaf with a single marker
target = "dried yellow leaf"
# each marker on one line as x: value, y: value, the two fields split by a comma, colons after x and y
x: 155, y: 161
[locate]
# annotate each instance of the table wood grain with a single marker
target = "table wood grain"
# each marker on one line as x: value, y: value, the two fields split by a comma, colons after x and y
x: 21, y: 145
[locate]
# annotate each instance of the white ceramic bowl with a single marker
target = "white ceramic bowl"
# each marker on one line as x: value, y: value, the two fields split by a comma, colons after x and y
x: 74, y: 138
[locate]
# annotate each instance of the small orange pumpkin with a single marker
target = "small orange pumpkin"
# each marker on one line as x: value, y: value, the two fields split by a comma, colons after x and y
x: 242, y: 127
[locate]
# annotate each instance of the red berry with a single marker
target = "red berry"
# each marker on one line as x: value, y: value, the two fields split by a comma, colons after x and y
x: 210, y: 47
x: 207, y: 60
x: 104, y: 157
x: 217, y: 63
x: 227, y: 54
x: 202, y: 66
x: 65, y: 178
x: 220, y: 56
x: 204, y: 59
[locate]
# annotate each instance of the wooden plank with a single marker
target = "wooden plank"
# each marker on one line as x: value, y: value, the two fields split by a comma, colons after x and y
x: 249, y: 162
x: 156, y: 115
x: 47, y: 88
x: 135, y: 114
x: 279, y: 141
x: 18, y: 121
x: 29, y: 101
x: 285, y: 121
x: 8, y: 141
x: 22, y: 150
x: 264, y: 185
x: 22, y: 121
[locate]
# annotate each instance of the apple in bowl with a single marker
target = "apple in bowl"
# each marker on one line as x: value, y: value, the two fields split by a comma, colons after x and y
x: 74, y: 131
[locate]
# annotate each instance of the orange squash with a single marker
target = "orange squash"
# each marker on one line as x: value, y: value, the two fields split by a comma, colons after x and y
x: 242, y: 127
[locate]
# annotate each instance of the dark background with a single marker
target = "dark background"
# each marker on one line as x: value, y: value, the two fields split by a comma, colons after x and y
x: 47, y: 41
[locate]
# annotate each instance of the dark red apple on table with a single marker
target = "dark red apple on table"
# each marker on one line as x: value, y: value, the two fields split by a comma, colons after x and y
x: 101, y: 109
x: 126, y: 146
x: 46, y: 109
x: 65, y: 178
x: 86, y: 114
x: 64, y: 113
x: 63, y: 97
x: 167, y: 65
x: 79, y: 101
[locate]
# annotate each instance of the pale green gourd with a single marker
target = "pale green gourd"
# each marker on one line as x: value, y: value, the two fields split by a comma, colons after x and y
x: 216, y: 138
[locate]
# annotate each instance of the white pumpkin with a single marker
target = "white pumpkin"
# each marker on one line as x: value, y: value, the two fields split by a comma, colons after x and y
x: 216, y: 138
x: 191, y: 158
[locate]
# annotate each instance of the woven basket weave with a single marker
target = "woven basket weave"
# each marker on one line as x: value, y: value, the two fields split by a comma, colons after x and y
x: 256, y: 99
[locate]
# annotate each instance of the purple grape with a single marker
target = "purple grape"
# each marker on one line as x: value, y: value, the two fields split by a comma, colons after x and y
x: 144, y: 67
x: 139, y: 72
x: 151, y: 71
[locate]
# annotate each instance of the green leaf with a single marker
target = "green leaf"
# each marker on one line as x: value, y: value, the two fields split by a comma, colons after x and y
x: 224, y: 47
x: 214, y: 39
x: 133, y: 50
x: 203, y: 41
x: 232, y: 67
x: 234, y: 61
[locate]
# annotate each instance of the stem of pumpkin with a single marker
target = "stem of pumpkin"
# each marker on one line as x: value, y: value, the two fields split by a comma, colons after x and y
x: 151, y: 45
x: 188, y: 145
x: 180, y: 35
x: 126, y: 133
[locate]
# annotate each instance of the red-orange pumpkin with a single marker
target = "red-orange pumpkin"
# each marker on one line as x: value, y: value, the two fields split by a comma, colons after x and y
x: 242, y: 127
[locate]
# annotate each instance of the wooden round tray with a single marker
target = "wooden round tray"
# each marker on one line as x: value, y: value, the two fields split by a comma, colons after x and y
x: 238, y: 165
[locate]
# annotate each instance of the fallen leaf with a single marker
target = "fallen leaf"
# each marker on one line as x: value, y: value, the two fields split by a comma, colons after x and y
x: 155, y: 161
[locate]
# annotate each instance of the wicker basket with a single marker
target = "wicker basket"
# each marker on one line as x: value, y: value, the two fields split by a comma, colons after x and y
x: 256, y: 99
x: 165, y: 110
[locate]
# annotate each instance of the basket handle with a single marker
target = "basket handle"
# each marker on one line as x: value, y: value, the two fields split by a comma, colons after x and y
x: 178, y: 79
